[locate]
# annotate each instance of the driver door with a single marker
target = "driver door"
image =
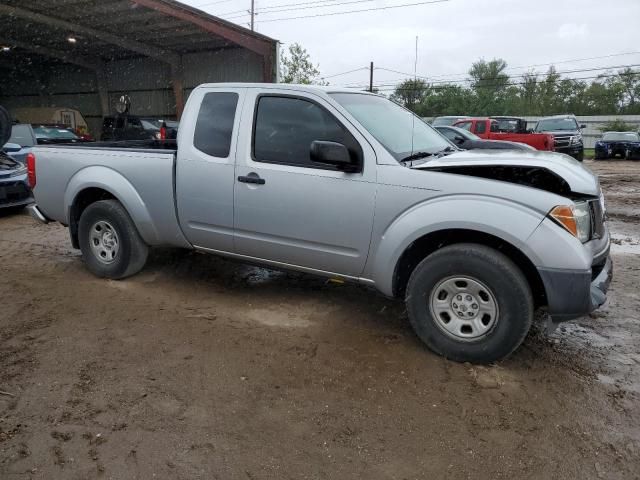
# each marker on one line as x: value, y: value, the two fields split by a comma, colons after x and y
x: 296, y: 212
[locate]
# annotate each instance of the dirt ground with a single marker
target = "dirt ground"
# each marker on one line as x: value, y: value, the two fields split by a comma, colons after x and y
x: 204, y: 368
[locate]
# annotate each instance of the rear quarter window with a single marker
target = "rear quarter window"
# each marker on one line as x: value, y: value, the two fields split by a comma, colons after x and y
x: 214, y: 125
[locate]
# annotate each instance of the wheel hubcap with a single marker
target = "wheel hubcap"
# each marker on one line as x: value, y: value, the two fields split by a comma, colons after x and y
x: 464, y: 308
x: 104, y: 242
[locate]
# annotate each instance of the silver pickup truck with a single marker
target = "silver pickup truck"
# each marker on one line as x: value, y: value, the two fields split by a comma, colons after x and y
x: 348, y: 185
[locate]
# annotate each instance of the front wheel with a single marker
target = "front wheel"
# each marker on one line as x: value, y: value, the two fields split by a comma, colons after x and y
x: 469, y: 303
x: 110, y: 243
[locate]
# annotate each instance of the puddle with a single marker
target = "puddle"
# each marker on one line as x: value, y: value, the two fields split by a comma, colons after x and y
x: 285, y: 317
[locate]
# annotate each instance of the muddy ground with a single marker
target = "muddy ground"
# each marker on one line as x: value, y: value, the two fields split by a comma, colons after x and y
x: 204, y: 368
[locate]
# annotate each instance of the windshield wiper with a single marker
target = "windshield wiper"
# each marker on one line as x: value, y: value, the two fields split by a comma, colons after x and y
x: 446, y: 151
x: 416, y: 156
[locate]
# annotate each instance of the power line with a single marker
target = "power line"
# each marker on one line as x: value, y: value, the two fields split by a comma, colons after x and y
x: 297, y: 6
x: 389, y: 87
x: 342, y: 73
x: 355, y: 11
x: 527, y: 66
x: 468, y: 80
x: 212, y: 3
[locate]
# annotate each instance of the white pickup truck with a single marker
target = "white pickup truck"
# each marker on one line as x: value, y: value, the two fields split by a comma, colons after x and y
x: 349, y: 185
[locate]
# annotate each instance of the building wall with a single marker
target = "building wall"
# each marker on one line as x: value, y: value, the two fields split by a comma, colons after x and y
x: 145, y: 80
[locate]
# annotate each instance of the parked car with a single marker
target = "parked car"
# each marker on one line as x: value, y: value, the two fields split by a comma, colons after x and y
x: 131, y: 127
x: 463, y: 237
x: 511, y: 124
x: 489, y: 129
x: 447, y: 120
x: 22, y: 140
x: 67, y: 117
x: 623, y: 144
x: 566, y: 132
x: 14, y: 188
x: 470, y: 141
x: 47, y: 134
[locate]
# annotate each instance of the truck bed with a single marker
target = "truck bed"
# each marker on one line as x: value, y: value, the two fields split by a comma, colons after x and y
x: 140, y: 174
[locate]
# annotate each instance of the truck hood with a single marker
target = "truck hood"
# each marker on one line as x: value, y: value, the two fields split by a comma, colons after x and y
x: 554, y: 172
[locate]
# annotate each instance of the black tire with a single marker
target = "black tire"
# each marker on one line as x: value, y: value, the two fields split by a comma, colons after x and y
x: 132, y: 252
x: 505, y: 282
x: 580, y: 156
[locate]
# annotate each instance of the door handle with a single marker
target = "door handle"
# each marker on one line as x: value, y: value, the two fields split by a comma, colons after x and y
x: 252, y: 178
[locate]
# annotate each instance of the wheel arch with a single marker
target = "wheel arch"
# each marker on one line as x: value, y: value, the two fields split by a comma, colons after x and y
x: 423, y: 246
x: 101, y: 183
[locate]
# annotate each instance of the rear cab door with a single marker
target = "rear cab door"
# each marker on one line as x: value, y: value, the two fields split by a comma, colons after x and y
x: 205, y: 170
x: 298, y: 212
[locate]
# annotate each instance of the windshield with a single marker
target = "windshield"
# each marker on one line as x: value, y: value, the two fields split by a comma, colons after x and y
x: 508, y: 125
x: 21, y: 135
x: 620, y: 137
x: 397, y: 129
x: 465, y: 133
x: 150, y: 123
x: 556, y: 125
x: 54, y: 132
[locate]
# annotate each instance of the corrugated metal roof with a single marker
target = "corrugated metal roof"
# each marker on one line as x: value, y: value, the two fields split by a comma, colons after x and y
x: 115, y: 29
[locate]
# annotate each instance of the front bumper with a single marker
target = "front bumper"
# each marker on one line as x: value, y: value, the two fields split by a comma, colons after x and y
x: 14, y: 192
x: 572, y: 294
x: 575, y: 151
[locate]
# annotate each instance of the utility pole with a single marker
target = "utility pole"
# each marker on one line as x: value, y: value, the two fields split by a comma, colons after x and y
x: 371, y: 77
x: 253, y: 13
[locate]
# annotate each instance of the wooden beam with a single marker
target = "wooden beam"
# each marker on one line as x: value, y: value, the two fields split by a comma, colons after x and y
x: 70, y: 28
x: 235, y: 34
x: 68, y: 57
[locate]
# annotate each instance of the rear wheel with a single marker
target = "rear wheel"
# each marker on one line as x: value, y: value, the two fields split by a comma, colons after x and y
x: 110, y: 243
x: 469, y: 303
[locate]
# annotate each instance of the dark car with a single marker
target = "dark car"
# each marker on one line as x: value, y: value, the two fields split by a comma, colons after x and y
x: 131, y: 127
x: 14, y: 188
x: 470, y: 141
x: 47, y: 134
x: 566, y: 132
x: 22, y: 140
x: 623, y: 144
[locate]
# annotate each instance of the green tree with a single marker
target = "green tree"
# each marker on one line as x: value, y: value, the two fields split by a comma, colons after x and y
x: 296, y: 67
x: 617, y: 125
x: 629, y: 81
x: 489, y: 82
x: 411, y: 94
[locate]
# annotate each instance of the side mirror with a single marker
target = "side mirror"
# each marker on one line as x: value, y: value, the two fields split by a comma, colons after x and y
x: 11, y: 147
x: 583, y: 126
x: 333, y: 153
x: 458, y: 139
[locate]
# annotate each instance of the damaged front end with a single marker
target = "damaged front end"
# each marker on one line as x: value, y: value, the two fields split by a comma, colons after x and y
x: 552, y: 172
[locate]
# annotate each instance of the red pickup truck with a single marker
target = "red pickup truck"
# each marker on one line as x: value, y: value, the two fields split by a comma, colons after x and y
x: 492, y: 129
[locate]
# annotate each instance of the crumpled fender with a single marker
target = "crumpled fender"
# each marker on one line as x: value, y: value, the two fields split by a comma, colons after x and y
x: 117, y: 185
x: 509, y: 221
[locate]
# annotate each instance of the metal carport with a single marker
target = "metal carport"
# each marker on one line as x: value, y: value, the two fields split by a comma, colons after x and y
x: 82, y: 54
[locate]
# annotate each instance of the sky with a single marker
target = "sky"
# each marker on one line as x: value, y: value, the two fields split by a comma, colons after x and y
x: 451, y: 34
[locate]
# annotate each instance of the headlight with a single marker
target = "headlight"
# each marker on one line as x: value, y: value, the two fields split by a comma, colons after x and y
x: 576, y: 219
x: 575, y: 140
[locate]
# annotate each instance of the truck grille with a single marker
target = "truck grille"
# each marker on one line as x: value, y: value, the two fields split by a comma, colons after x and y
x: 13, y: 192
x: 562, y: 141
x: 597, y: 219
